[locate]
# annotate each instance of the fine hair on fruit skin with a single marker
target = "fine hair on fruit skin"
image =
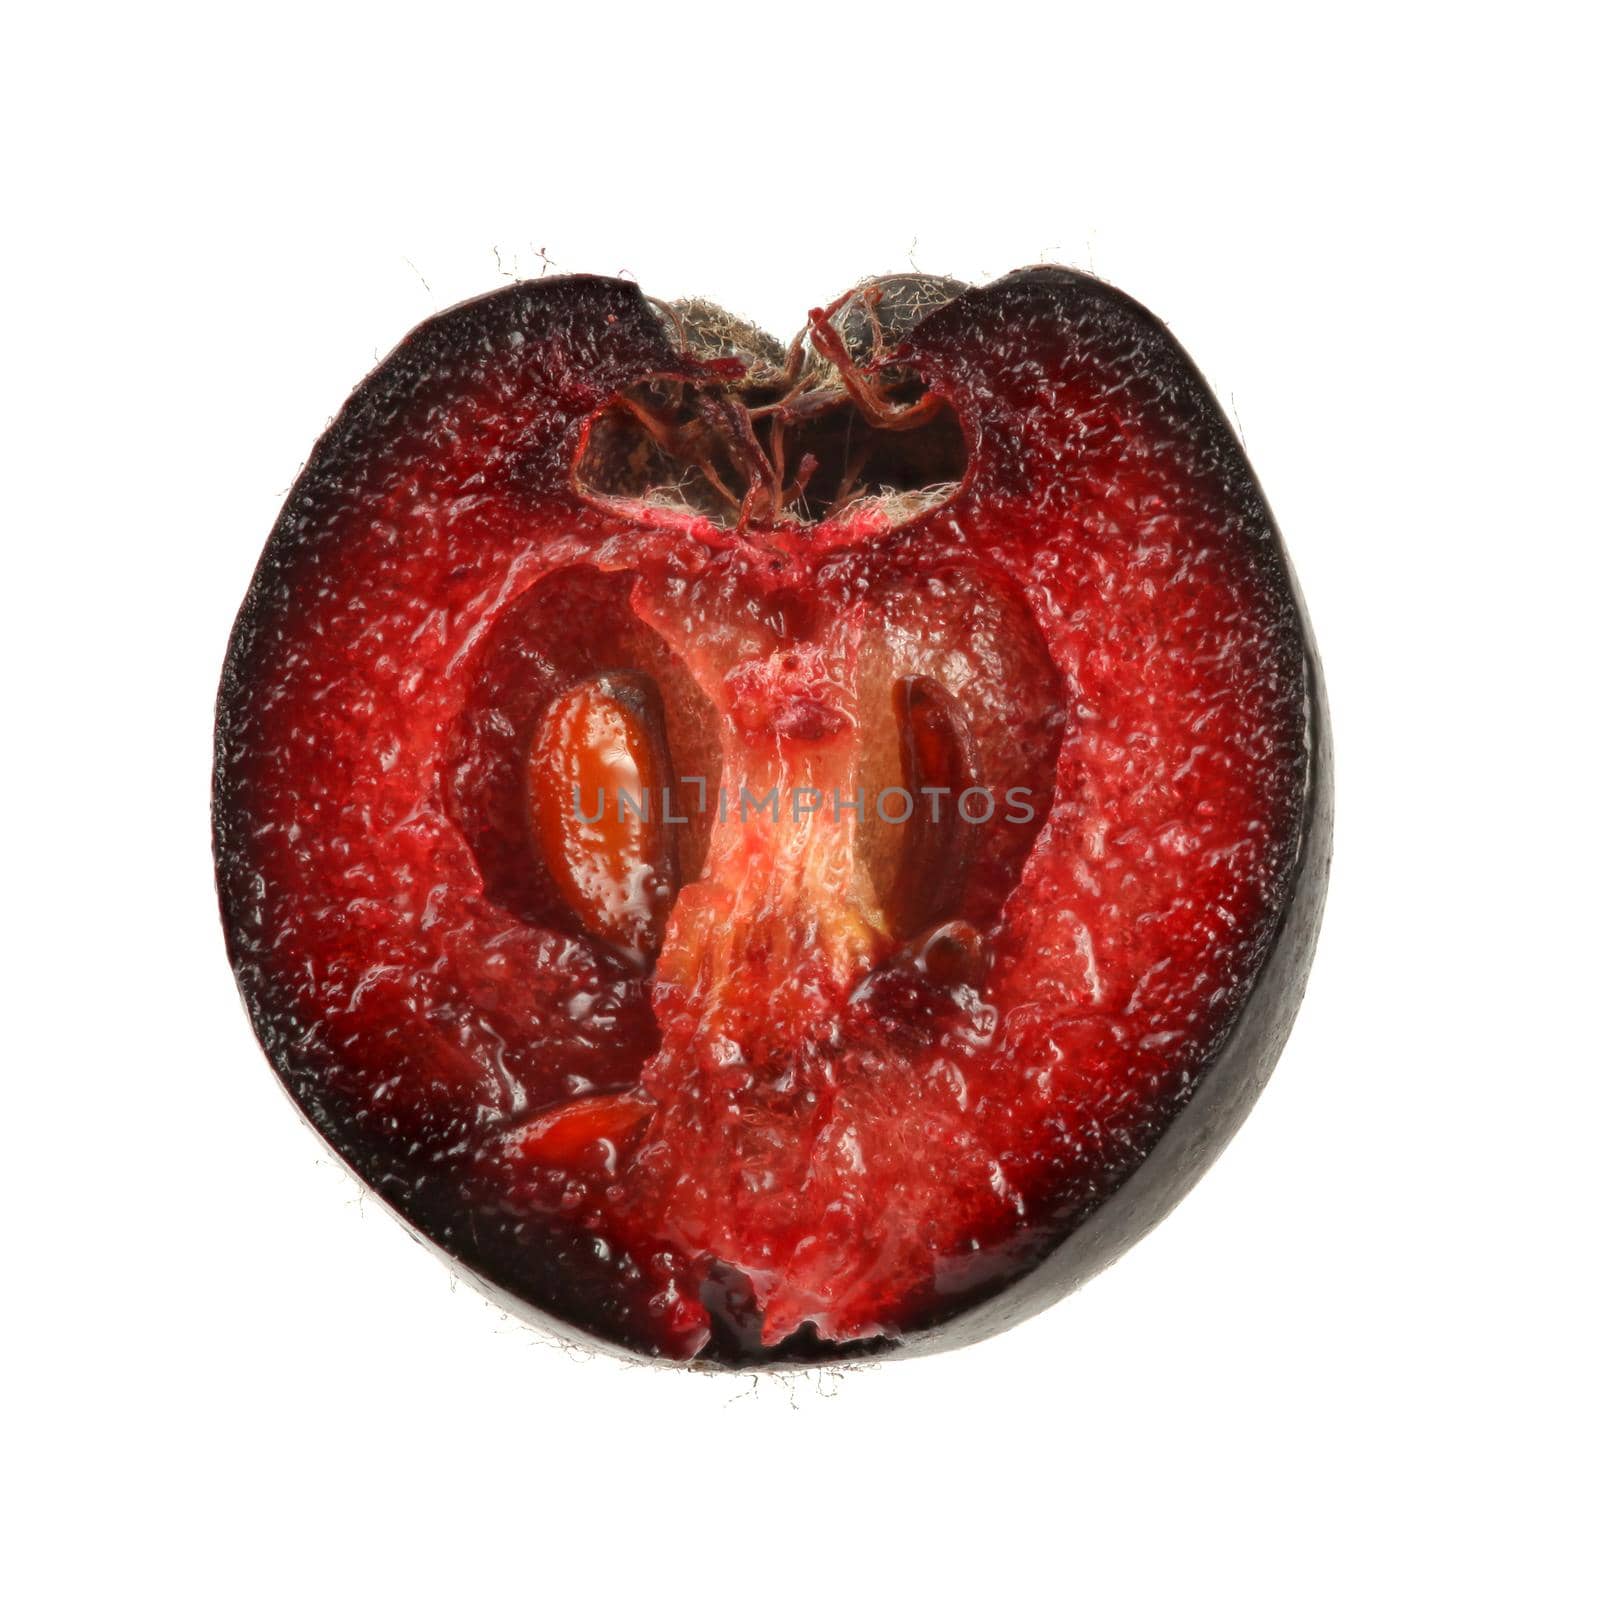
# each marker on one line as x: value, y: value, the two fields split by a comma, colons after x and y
x: 795, y: 1089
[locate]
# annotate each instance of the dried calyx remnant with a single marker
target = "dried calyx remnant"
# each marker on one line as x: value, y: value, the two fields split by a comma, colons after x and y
x: 775, y: 436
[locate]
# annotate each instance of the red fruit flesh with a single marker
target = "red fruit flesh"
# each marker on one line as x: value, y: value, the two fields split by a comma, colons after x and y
x: 772, y: 1080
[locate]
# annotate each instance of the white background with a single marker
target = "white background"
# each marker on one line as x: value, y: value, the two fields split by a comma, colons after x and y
x: 1359, y: 1358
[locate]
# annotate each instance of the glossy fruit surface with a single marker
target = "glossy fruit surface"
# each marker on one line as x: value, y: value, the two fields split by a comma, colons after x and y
x: 563, y: 858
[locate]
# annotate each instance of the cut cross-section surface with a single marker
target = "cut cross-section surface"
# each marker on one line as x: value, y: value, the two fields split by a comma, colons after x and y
x: 776, y: 854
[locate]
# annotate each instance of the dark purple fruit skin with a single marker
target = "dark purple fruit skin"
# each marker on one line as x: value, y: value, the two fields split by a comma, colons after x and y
x: 1225, y: 1091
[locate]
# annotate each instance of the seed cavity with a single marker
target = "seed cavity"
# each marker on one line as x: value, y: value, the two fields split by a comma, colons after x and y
x: 951, y: 955
x: 939, y: 765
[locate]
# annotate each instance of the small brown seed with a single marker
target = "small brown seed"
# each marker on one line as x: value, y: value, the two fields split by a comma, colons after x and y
x: 599, y: 778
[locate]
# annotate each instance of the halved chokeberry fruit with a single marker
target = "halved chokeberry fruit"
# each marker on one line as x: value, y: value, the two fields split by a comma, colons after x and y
x: 772, y: 854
